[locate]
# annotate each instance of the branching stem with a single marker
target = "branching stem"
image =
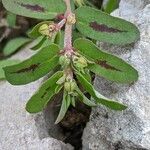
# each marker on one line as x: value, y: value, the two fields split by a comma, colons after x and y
x: 60, y: 24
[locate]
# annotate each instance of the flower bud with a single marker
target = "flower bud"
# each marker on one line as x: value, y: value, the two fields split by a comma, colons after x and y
x: 71, y: 19
x: 51, y: 27
x: 64, y: 61
x: 44, y: 29
x: 80, y: 62
x: 70, y: 86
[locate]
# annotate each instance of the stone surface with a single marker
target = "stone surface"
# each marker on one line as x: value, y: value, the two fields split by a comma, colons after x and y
x: 130, y: 129
x: 18, y: 129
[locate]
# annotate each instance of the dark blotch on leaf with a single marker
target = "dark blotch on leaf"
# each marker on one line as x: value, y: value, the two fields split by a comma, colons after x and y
x: 44, y: 95
x: 103, y: 28
x: 45, y: 92
x: 48, y: 88
x: 36, y: 8
x: 28, y: 69
x: 103, y: 63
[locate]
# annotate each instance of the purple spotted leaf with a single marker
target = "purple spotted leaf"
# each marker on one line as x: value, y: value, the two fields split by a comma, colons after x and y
x: 4, y: 63
x: 35, y: 67
x: 40, y: 9
x: 98, y: 25
x: 106, y: 65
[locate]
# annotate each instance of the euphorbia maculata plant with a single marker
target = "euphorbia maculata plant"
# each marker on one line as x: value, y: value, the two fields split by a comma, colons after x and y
x: 71, y: 62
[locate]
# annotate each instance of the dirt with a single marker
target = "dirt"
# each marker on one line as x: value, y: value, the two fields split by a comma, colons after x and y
x: 74, y: 123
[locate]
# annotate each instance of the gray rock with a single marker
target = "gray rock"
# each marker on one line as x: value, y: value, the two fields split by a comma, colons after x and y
x: 18, y: 129
x: 130, y: 129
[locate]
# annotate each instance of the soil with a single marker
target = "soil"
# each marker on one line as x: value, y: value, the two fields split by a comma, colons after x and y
x: 74, y: 123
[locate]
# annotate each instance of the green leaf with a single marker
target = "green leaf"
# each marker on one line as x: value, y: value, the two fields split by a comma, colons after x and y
x: 35, y: 67
x: 76, y: 35
x: 58, y: 88
x: 100, y: 26
x: 11, y: 19
x: 73, y: 102
x: 40, y: 9
x: 45, y: 93
x: 47, y: 43
x: 79, y: 3
x: 111, y: 5
x: 14, y: 44
x: 64, y: 107
x: 58, y: 37
x: 100, y: 99
x: 91, y: 4
x: 68, y: 100
x: 4, y: 63
x: 87, y: 75
x: 39, y: 43
x: 106, y: 65
x: 84, y: 99
x: 34, y: 33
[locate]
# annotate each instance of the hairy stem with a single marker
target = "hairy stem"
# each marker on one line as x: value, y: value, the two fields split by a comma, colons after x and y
x: 68, y: 39
x: 68, y: 5
x: 68, y: 31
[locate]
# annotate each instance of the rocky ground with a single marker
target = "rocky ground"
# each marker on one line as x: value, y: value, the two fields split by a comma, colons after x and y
x: 130, y: 129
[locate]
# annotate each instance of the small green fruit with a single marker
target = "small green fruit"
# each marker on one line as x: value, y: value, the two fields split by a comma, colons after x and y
x: 64, y: 61
x: 80, y: 63
x: 70, y: 86
x: 44, y: 29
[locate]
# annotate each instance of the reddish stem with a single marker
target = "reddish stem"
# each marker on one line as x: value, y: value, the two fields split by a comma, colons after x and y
x: 68, y: 50
x: 68, y: 31
x: 60, y: 24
